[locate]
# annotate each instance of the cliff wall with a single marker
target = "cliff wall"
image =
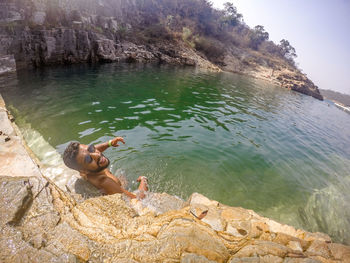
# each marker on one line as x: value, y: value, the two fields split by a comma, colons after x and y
x: 40, y: 33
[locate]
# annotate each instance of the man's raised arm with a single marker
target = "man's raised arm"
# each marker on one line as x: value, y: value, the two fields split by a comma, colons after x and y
x: 114, y: 142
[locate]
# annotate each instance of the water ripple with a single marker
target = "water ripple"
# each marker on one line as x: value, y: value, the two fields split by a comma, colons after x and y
x: 241, y: 141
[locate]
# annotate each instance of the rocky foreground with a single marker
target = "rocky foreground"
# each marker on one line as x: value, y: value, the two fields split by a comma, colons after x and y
x: 39, y: 222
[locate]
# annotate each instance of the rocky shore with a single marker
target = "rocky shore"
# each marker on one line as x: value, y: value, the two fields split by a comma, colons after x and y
x: 34, y: 37
x: 40, y: 222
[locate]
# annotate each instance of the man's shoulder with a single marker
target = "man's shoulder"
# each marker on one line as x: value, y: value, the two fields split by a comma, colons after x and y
x: 101, y: 174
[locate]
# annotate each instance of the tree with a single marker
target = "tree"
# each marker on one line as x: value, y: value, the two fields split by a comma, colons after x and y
x: 258, y: 36
x: 231, y: 16
x: 287, y: 50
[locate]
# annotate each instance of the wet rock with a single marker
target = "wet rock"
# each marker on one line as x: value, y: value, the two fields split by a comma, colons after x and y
x: 157, y: 203
x: 81, y: 189
x: 14, y: 161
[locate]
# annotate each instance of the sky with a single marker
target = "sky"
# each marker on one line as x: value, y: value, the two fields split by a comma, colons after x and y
x: 319, y: 30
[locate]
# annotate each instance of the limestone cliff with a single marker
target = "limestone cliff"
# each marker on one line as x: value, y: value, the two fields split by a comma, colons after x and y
x: 39, y: 222
x: 40, y: 33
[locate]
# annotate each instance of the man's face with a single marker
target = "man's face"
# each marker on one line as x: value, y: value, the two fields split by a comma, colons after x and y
x: 90, y: 159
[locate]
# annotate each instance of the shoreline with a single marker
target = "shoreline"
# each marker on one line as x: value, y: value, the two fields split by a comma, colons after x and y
x: 176, y: 52
x: 205, y: 65
x: 46, y: 215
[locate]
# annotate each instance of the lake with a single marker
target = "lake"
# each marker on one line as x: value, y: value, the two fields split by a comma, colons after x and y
x: 238, y: 140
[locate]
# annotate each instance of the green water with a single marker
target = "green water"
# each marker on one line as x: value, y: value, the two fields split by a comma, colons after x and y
x: 234, y: 139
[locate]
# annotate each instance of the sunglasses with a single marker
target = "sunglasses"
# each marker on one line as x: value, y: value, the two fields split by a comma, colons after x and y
x: 88, y: 158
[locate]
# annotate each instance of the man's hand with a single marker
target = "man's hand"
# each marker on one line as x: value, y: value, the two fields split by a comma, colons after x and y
x: 114, y: 142
x: 143, y: 183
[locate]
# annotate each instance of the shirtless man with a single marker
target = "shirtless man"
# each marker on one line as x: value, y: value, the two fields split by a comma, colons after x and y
x: 92, y: 165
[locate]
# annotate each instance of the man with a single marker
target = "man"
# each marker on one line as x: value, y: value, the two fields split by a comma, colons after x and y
x: 92, y: 165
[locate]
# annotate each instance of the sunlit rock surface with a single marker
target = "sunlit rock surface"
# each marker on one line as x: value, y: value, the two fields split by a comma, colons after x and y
x: 40, y: 222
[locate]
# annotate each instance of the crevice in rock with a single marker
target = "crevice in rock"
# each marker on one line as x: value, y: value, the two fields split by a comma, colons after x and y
x: 24, y: 207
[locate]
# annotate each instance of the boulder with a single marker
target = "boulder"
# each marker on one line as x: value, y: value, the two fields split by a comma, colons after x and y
x: 105, y: 50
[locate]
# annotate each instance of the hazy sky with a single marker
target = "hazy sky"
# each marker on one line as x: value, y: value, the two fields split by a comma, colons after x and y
x: 318, y: 29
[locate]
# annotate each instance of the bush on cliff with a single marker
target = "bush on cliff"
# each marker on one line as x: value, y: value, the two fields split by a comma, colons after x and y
x: 211, y: 47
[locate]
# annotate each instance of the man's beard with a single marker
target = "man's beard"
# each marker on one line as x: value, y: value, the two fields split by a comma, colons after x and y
x: 100, y: 168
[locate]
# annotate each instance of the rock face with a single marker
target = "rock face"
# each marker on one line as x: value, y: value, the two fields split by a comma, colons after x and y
x: 7, y: 64
x: 300, y: 83
x: 263, y: 66
x: 62, y: 46
x: 38, y: 48
x: 39, y: 222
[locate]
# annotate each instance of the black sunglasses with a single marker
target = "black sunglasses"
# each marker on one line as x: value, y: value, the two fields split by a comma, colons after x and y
x: 88, y: 158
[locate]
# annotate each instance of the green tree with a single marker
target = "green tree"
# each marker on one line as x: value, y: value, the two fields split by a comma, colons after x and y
x: 231, y: 16
x: 258, y: 36
x: 287, y: 50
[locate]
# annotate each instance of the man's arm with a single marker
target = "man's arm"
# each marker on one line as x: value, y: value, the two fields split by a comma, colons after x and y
x: 114, y: 142
x: 111, y: 185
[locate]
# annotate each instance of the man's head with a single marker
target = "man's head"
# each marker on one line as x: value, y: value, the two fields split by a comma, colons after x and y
x: 84, y: 158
